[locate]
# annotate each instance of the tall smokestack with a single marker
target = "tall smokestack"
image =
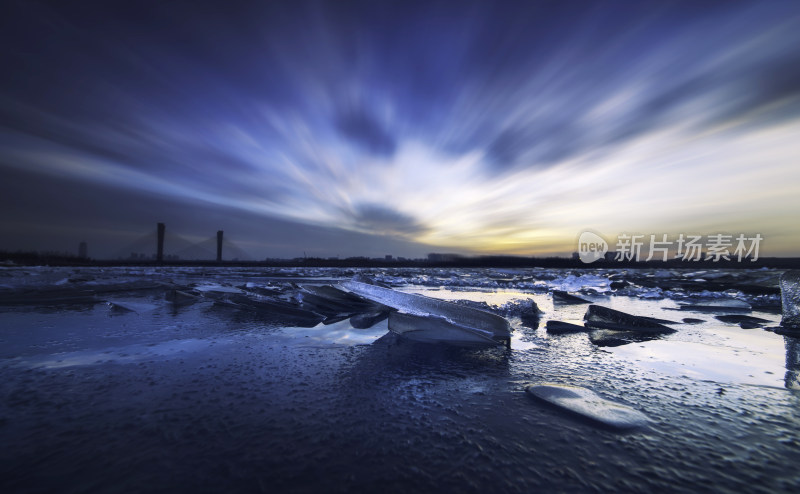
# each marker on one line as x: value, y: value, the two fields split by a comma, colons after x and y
x: 160, y: 251
x: 219, y: 246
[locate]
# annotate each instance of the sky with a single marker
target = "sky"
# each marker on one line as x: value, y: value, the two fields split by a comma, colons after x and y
x: 347, y: 128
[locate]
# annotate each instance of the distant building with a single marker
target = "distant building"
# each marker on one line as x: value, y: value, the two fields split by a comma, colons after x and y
x: 388, y: 257
x: 83, y: 250
x: 436, y: 257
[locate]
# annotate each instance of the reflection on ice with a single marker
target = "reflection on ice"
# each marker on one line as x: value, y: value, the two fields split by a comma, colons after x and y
x: 719, y: 363
x: 520, y: 343
x: 118, y: 355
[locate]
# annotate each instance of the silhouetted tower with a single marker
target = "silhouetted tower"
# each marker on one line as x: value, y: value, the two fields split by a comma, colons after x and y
x: 83, y: 250
x: 160, y: 251
x: 219, y: 246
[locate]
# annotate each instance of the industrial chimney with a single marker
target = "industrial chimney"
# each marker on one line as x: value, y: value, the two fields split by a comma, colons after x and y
x: 160, y: 251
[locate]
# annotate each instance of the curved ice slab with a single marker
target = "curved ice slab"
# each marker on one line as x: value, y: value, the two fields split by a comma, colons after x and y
x: 488, y: 324
x: 588, y: 404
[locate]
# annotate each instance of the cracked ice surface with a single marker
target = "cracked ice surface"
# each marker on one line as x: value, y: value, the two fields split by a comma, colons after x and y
x: 209, y: 397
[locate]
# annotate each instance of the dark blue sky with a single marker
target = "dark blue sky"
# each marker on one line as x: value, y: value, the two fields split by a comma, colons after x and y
x: 347, y: 128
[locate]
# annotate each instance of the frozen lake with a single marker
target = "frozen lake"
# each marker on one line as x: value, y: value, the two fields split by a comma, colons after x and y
x: 108, y: 387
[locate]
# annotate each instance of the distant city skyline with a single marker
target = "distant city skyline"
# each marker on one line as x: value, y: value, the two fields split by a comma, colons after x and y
x: 342, y: 128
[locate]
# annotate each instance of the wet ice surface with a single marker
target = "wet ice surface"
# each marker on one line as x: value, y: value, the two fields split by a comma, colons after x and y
x: 210, y: 398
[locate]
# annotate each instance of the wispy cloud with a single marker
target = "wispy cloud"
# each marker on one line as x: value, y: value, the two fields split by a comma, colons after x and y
x: 502, y: 128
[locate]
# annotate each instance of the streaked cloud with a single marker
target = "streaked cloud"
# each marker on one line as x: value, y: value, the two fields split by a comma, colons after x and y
x: 502, y: 128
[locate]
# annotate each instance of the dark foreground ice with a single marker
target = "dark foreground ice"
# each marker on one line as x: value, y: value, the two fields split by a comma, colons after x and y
x: 104, y: 389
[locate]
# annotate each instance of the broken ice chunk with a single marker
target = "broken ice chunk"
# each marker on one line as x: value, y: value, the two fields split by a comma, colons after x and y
x: 214, y: 289
x: 526, y: 310
x: 746, y: 322
x: 118, y: 308
x: 435, y: 311
x: 790, y: 299
x: 599, y: 317
x: 718, y: 305
x: 565, y: 298
x: 587, y: 404
x: 272, y: 309
x: 792, y: 377
x: 47, y: 296
x: 560, y: 327
x: 611, y: 338
x: 123, y: 306
x: 180, y: 298
x: 368, y: 319
x: 334, y: 319
x: 434, y: 329
x: 329, y: 300
x: 362, y: 278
